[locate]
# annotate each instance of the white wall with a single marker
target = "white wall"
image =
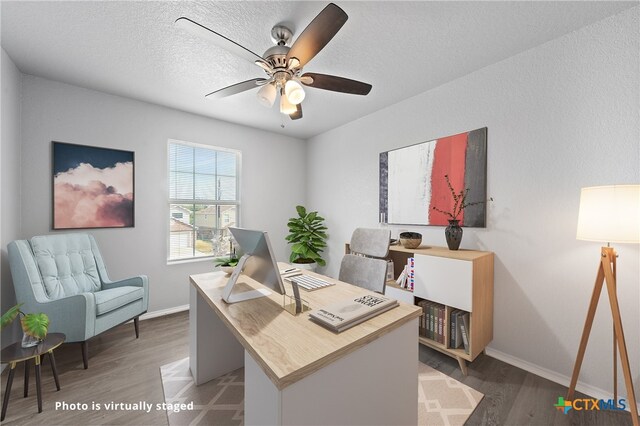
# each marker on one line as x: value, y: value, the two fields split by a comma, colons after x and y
x: 271, y: 165
x: 560, y: 116
x: 9, y: 181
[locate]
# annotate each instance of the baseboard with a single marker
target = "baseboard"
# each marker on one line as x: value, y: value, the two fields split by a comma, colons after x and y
x: 554, y: 376
x: 163, y: 312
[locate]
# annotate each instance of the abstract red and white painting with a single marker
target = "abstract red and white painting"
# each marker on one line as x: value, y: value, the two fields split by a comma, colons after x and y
x: 412, y: 180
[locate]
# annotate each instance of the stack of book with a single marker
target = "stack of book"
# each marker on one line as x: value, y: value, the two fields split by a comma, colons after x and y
x: 459, y: 329
x: 343, y: 315
x: 433, y: 320
x: 408, y: 275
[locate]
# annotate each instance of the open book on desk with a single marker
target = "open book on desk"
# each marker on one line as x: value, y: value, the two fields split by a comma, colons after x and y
x: 347, y: 313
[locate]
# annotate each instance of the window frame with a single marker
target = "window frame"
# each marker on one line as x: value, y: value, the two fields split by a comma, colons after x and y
x: 171, y: 201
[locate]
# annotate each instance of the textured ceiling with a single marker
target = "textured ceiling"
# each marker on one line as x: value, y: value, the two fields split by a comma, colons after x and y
x: 132, y: 49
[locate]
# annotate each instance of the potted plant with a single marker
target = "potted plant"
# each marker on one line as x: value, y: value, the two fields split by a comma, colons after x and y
x: 453, y: 232
x: 34, y: 326
x: 227, y: 263
x: 308, y: 238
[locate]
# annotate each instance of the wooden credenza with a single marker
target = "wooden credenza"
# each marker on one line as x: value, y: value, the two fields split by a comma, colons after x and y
x: 458, y: 279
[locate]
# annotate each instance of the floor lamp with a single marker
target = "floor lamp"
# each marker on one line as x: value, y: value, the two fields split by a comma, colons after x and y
x: 609, y: 214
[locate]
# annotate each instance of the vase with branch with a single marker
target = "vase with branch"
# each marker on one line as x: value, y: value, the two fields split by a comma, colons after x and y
x: 453, y: 232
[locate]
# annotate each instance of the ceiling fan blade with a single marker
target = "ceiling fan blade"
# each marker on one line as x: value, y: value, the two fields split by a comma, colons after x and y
x: 217, y: 39
x: 298, y: 114
x: 336, y: 84
x: 236, y: 88
x: 317, y: 34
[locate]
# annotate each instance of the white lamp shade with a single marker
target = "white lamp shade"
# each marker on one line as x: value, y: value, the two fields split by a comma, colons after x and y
x: 609, y: 214
x: 267, y: 95
x: 286, y: 107
x: 294, y: 91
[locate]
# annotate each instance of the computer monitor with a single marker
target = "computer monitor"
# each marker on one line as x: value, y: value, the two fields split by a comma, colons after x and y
x: 257, y: 262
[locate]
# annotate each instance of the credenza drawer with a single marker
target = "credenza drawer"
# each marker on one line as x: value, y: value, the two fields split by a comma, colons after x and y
x: 444, y: 280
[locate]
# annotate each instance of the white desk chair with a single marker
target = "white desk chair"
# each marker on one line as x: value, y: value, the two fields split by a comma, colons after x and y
x: 363, y: 269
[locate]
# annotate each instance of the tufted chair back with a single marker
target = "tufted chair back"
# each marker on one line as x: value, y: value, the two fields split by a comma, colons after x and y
x: 67, y: 264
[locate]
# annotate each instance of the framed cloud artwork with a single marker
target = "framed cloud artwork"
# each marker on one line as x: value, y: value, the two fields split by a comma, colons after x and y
x: 413, y: 182
x: 92, y: 187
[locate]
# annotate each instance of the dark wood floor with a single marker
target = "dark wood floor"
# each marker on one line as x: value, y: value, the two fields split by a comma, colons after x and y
x: 123, y: 369
x: 513, y: 396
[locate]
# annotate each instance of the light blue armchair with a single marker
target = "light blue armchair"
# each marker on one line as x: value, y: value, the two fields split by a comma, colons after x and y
x: 64, y: 276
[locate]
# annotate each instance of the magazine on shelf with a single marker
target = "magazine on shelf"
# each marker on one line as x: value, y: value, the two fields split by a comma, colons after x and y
x: 402, y: 278
x: 463, y: 323
x: 343, y: 315
x: 390, y: 270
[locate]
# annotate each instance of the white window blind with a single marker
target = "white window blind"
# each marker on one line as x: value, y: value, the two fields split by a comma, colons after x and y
x: 204, y: 186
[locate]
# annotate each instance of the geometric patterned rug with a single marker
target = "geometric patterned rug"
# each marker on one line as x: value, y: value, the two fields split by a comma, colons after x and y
x: 441, y: 399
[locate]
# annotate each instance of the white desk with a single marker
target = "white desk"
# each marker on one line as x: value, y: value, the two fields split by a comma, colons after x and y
x: 297, y: 372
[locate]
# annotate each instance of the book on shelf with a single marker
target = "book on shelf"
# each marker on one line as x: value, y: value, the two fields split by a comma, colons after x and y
x: 463, y: 323
x: 347, y: 313
x: 390, y: 270
x: 441, y: 324
x: 423, y: 318
x: 402, y: 279
x: 432, y: 320
x: 411, y: 271
x: 455, y: 340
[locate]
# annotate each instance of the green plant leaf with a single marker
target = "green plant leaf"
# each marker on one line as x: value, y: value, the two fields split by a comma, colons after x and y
x: 10, y: 315
x: 306, y: 236
x: 298, y: 248
x: 35, y: 325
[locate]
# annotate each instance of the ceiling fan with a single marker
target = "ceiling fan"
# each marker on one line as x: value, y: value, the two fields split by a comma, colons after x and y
x: 283, y: 64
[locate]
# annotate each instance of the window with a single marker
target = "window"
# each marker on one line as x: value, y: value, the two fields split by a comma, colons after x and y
x: 204, y: 185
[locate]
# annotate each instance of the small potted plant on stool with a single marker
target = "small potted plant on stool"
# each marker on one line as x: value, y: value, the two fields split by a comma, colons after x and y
x: 34, y: 326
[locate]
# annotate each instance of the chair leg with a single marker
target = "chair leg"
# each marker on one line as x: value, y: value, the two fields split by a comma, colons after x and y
x: 137, y: 327
x: 85, y: 353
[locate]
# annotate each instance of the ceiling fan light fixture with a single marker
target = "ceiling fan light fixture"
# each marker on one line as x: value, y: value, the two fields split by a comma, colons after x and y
x: 293, y: 63
x: 267, y: 95
x: 265, y: 66
x: 286, y: 107
x: 294, y: 91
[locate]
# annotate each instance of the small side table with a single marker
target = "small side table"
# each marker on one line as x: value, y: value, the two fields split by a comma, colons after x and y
x: 15, y: 353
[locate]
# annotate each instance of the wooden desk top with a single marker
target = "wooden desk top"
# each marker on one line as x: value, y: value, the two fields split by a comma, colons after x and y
x: 287, y: 347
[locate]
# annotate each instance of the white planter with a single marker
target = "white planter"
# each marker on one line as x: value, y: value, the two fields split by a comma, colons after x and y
x: 226, y: 269
x: 308, y: 266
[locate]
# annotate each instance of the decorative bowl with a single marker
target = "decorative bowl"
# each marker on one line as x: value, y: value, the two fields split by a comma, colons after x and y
x: 410, y: 240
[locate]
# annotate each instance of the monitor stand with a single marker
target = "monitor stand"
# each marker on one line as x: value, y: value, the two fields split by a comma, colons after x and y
x: 241, y: 297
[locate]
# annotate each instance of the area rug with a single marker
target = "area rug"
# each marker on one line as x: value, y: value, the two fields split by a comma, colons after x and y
x: 441, y: 399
